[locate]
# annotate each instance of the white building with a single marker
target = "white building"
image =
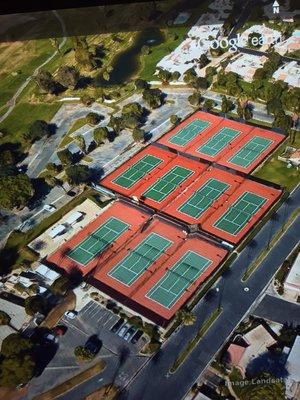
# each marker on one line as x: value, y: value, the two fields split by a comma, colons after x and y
x: 270, y: 36
x: 289, y: 45
x: 245, y: 65
x: 293, y: 368
x: 289, y: 73
x: 292, y: 282
x: 199, y: 39
x: 18, y: 316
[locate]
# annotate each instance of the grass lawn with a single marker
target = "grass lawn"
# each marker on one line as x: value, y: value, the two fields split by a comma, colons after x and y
x: 73, y: 382
x: 276, y: 171
x: 150, y: 61
x: 24, y: 114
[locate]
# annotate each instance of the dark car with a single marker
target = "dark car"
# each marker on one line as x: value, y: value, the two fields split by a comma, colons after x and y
x: 117, y: 325
x: 136, y: 337
x: 93, y: 344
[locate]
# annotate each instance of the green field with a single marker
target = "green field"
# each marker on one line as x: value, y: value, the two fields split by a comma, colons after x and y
x: 276, y: 171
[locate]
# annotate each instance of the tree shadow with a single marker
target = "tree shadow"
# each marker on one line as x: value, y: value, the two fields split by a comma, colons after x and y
x: 41, y: 190
x: 271, y: 361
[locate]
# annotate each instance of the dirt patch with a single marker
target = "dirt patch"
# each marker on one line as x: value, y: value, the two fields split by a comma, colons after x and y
x: 12, y: 394
x: 102, y: 394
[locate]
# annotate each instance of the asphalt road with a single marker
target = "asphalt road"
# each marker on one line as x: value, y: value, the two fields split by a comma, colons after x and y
x: 278, y: 310
x: 154, y: 382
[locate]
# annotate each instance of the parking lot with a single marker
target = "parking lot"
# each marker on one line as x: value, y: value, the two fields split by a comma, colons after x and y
x: 95, y: 319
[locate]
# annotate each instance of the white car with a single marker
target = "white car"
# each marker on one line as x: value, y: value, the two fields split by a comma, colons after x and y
x: 71, y: 314
x: 123, y: 330
x: 49, y: 207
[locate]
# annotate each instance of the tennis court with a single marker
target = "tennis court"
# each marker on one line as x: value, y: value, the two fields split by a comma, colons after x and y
x: 137, y: 171
x: 251, y: 151
x: 218, y: 142
x: 189, y: 132
x: 98, y: 241
x: 176, y: 281
x: 167, y: 183
x: 140, y: 259
x: 242, y: 211
x: 203, y: 198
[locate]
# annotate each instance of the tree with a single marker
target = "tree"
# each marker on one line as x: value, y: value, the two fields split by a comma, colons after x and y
x: 174, y: 119
x: 203, y: 61
x: 15, y: 191
x: 83, y: 56
x: 145, y: 50
x: 176, y: 76
x: 78, y: 174
x: 5, y: 320
x: 190, y: 75
x: 130, y: 121
x: 93, y: 118
x: 116, y: 123
x: 100, y: 135
x: 83, y: 354
x: 283, y: 121
x: 248, y: 113
x: 15, y: 344
x: 186, y: 318
x: 7, y: 158
x: 65, y: 157
x: 164, y: 75
x: 46, y: 82
x: 87, y: 100
x: 254, y: 39
x: 195, y: 99
x: 240, y: 109
x: 141, y: 84
x: 138, y: 135
x: 208, y: 105
x: 226, y: 105
x: 133, y: 109
x: 153, y: 97
x: 68, y: 76
x: 35, y: 304
x: 274, y: 106
x: 81, y: 143
x: 17, y: 370
x: 37, y: 130
x: 60, y: 286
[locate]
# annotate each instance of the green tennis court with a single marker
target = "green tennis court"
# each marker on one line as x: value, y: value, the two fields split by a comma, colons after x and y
x: 218, y: 142
x: 137, y: 171
x: 178, y: 279
x: 98, y: 241
x: 203, y: 198
x: 167, y: 183
x: 251, y: 151
x: 140, y: 259
x: 189, y: 132
x: 237, y: 216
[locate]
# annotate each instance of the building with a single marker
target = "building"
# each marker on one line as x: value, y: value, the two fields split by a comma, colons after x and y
x: 18, y: 316
x: 289, y: 73
x: 293, y: 368
x: 247, y: 347
x: 270, y: 36
x: 289, y: 45
x: 292, y: 282
x: 245, y: 65
x: 291, y: 156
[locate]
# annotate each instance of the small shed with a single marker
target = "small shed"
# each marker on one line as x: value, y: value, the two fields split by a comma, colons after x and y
x: 57, y: 231
x: 74, y: 217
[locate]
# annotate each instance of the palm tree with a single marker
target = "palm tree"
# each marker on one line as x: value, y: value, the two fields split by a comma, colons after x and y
x: 81, y: 143
x: 5, y: 320
x: 186, y: 318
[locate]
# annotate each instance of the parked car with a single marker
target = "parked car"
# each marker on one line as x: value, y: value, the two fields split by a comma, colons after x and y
x: 50, y: 338
x: 129, y: 333
x: 123, y: 330
x: 136, y: 337
x: 71, y: 314
x: 117, y: 325
x: 93, y: 344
